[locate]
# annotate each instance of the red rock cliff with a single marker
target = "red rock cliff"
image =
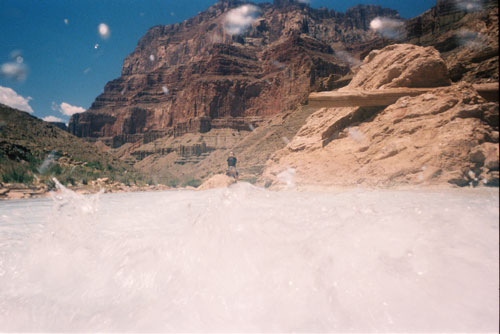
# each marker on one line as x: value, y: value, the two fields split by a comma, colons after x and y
x: 194, y: 76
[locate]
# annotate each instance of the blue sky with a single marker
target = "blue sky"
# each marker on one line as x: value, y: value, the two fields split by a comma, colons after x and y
x: 64, y: 62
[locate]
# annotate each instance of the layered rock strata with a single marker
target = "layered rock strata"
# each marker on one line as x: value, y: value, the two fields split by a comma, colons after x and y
x: 194, y: 76
x: 465, y: 33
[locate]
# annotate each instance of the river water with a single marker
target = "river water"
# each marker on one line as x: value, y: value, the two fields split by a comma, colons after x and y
x: 244, y: 259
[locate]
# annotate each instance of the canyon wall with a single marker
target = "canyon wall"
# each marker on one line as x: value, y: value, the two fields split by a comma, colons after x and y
x: 194, y: 76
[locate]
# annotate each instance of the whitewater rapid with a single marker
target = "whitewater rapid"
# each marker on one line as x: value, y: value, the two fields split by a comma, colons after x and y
x: 245, y: 259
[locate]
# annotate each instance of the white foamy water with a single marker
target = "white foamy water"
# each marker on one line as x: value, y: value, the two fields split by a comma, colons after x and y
x: 247, y: 259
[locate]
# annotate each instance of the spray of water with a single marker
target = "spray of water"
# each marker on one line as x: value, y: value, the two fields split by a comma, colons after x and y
x: 244, y: 259
x: 47, y: 162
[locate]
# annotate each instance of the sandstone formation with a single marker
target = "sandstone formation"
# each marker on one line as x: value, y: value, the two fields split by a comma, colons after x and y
x: 401, y: 65
x: 448, y: 135
x: 384, y: 97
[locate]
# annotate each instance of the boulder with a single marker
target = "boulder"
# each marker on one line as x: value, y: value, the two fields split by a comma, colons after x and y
x: 401, y: 65
x: 217, y: 181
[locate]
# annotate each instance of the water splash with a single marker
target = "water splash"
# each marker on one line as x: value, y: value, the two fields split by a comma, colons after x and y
x: 388, y: 27
x: 287, y: 177
x: 238, y: 20
x: 47, y: 162
x: 355, y: 134
x: 347, y: 57
x: 77, y: 204
x: 469, y: 5
x: 104, y: 30
x: 247, y: 259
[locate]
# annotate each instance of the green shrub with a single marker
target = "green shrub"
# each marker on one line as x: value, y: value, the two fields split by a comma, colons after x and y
x: 192, y: 183
x: 173, y: 183
x: 18, y: 174
x: 50, y: 184
x: 54, y: 169
x: 251, y: 179
x: 95, y: 165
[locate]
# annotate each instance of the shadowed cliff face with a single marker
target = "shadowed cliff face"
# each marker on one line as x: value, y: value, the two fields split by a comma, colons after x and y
x: 194, y: 76
x: 465, y: 32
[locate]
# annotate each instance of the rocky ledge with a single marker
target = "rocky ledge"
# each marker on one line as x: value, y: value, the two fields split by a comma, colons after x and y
x: 11, y: 191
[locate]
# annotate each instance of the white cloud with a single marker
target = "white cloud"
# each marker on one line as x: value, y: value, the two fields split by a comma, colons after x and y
x: 10, y: 98
x: 104, y: 30
x: 53, y: 119
x: 14, y: 70
x: 388, y: 27
x: 238, y: 20
x: 304, y: 1
x: 67, y: 109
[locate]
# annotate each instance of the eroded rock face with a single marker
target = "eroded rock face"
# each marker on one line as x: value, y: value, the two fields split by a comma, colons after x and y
x: 195, y: 70
x: 448, y: 135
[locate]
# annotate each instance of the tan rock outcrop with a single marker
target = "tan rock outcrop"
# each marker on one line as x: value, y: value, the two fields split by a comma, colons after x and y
x: 442, y: 137
x: 217, y: 181
x: 448, y: 135
x: 401, y: 65
x: 384, y: 97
